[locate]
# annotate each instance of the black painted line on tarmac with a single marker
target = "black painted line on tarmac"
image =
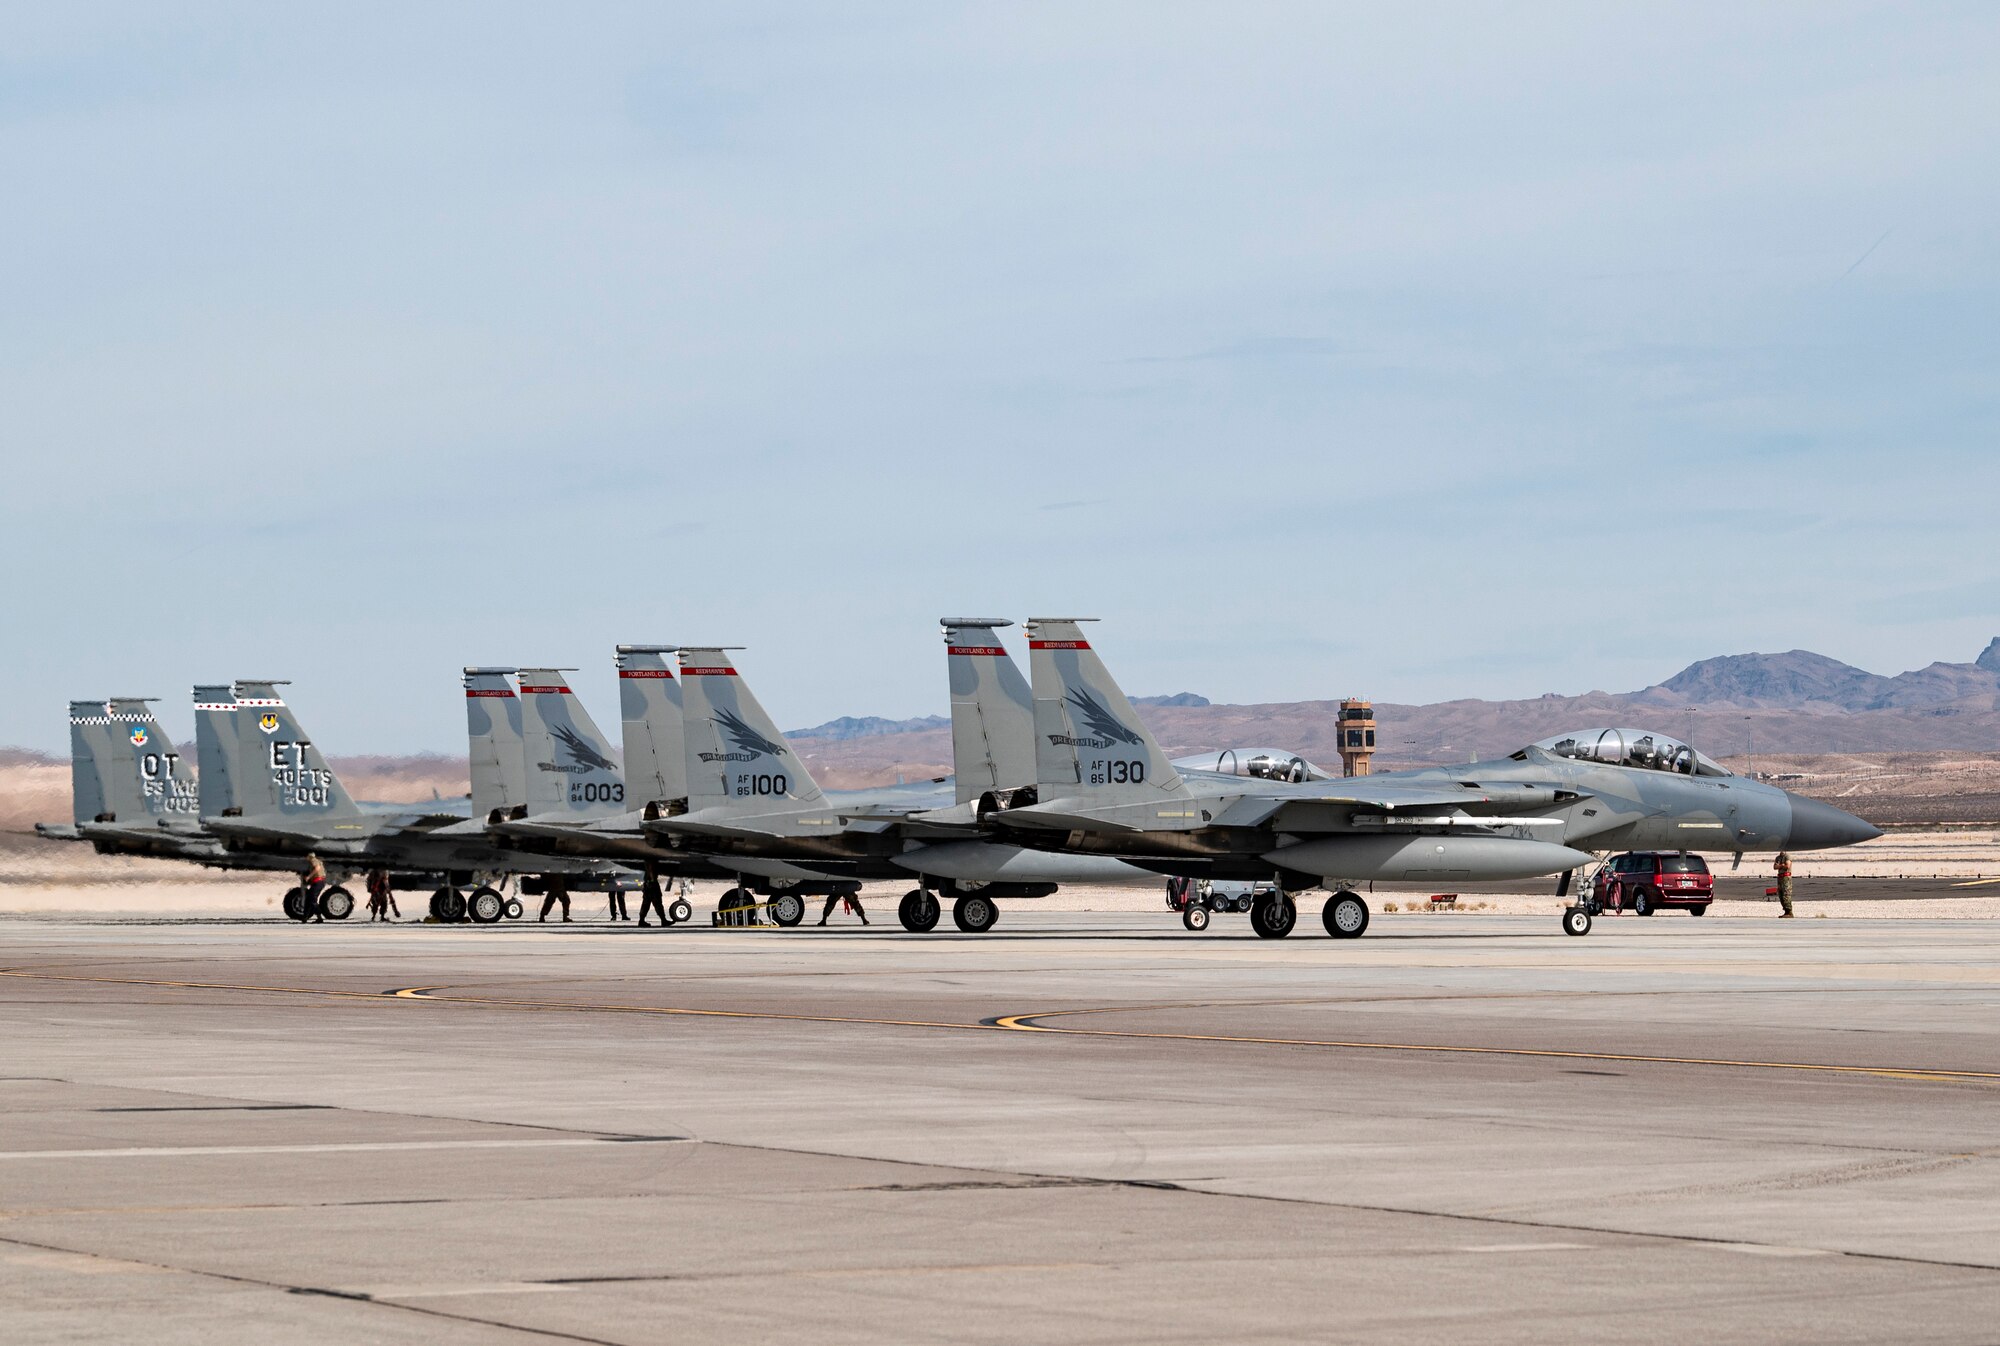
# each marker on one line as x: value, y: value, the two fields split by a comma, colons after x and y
x: 316, y: 1291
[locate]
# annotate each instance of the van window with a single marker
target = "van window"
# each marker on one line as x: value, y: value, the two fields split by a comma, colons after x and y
x: 1683, y: 864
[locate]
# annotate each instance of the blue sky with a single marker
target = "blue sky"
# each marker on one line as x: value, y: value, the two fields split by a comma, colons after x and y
x: 1463, y: 351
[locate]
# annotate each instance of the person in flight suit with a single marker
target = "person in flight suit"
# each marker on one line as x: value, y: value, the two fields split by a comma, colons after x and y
x: 1783, y: 864
x: 853, y: 901
x: 558, y: 892
x: 650, y: 897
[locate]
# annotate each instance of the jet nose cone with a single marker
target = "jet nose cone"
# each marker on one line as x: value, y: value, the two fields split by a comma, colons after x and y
x: 1816, y: 826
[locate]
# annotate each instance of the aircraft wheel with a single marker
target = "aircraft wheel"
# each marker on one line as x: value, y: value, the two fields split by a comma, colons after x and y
x: 1576, y: 921
x: 731, y: 903
x: 514, y: 909
x: 1345, y: 916
x: 1701, y: 910
x: 788, y: 909
x: 336, y: 904
x: 1194, y: 916
x: 1274, y: 917
x: 919, y: 911
x: 486, y: 906
x: 295, y: 904
x: 1645, y: 902
x: 678, y: 910
x: 454, y: 905
x: 975, y: 914
x: 437, y: 904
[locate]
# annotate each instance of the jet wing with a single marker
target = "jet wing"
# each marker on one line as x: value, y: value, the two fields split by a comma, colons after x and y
x: 1336, y: 805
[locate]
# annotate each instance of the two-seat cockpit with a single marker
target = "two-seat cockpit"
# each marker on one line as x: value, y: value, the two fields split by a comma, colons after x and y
x: 1273, y: 764
x: 1640, y: 748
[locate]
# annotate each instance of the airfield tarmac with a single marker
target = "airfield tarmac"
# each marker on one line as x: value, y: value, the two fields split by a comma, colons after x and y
x: 1079, y: 1127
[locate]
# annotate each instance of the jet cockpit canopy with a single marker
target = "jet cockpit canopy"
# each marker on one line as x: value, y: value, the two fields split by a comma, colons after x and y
x: 1632, y: 747
x: 1260, y: 763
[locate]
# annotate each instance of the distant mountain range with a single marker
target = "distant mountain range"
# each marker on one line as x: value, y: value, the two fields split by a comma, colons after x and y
x: 1796, y: 702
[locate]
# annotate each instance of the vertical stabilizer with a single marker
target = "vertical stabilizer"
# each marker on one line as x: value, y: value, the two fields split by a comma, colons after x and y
x: 1089, y: 742
x: 570, y: 771
x: 141, y: 774
x: 992, y: 710
x: 86, y: 779
x: 493, y: 741
x: 215, y: 748
x: 649, y: 703
x: 735, y: 752
x: 281, y: 772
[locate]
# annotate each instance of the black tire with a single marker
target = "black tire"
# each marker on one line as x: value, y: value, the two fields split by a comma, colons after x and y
x: 919, y: 911
x: 515, y: 911
x: 453, y: 906
x: 735, y: 900
x: 1345, y: 916
x: 1645, y: 902
x: 1273, y: 917
x: 788, y: 909
x: 678, y: 910
x: 295, y: 904
x: 1701, y: 910
x: 336, y: 903
x: 974, y: 914
x: 1195, y: 917
x: 486, y: 906
x: 1576, y: 921
x: 437, y: 904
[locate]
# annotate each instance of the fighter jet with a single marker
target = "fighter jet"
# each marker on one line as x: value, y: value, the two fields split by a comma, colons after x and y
x: 1104, y: 787
x: 752, y: 800
x: 277, y: 795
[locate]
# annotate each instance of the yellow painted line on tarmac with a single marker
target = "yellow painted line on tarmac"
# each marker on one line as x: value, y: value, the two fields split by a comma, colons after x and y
x: 1976, y: 883
x: 1026, y: 1023
x: 1029, y: 1023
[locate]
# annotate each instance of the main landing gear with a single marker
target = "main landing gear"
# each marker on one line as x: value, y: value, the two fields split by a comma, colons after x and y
x: 335, y: 903
x: 484, y: 905
x: 975, y: 914
x: 1273, y: 916
x: 1345, y: 915
x: 919, y: 911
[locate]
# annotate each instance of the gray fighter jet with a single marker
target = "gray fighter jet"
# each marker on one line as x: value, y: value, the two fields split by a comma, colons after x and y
x: 1104, y: 787
x: 277, y: 795
x: 752, y: 801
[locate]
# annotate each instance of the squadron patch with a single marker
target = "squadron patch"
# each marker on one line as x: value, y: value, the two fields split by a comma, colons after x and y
x: 138, y: 735
x: 268, y: 723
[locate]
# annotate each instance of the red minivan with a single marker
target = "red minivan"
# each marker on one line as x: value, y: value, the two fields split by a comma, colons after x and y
x: 1645, y: 881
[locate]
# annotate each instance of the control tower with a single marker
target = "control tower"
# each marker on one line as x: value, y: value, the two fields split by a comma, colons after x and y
x: 1357, y: 736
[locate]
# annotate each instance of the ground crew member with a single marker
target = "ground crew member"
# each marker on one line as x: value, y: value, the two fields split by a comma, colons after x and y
x: 379, y: 900
x: 1783, y: 864
x: 312, y: 885
x: 558, y: 892
x: 616, y: 892
x: 649, y: 895
x: 853, y: 901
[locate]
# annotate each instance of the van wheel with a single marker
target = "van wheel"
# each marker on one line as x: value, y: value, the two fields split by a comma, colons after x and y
x: 1194, y: 916
x: 1701, y: 910
x: 1645, y: 902
x: 1576, y: 921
